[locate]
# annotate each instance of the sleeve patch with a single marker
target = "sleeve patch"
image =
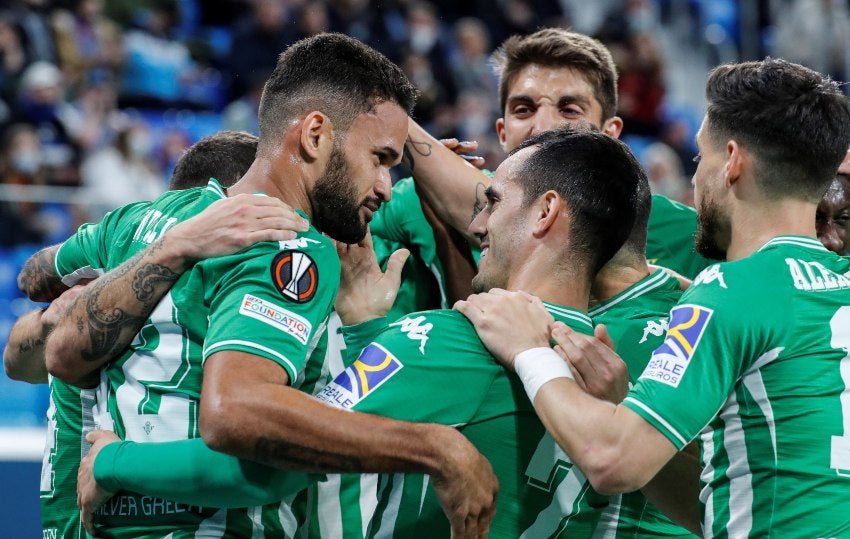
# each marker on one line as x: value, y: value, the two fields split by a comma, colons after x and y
x: 295, y: 275
x: 375, y: 366
x: 671, y: 359
x: 276, y: 316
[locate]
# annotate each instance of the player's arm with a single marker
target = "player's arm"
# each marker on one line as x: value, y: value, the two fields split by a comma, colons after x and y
x: 453, y: 251
x: 453, y: 187
x: 616, y: 449
x: 107, y: 315
x: 675, y: 489
x: 38, y: 278
x: 23, y: 356
x: 248, y: 410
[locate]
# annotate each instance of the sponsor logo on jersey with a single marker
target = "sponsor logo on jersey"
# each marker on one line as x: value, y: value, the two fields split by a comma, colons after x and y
x: 375, y: 366
x: 297, y: 243
x: 709, y: 275
x: 295, y: 275
x: 656, y: 329
x: 415, y: 329
x: 671, y: 359
x: 276, y: 316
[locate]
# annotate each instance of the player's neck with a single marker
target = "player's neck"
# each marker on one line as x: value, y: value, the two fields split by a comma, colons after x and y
x: 754, y: 225
x: 558, y: 286
x: 264, y: 176
x: 614, y: 278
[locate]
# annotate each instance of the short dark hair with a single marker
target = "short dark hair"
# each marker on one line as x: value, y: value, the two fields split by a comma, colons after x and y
x: 332, y: 73
x: 225, y: 156
x: 557, y: 47
x: 599, y: 179
x: 794, y: 121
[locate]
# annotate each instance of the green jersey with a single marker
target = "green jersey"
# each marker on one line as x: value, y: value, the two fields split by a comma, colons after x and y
x: 756, y: 363
x: 670, y: 237
x: 636, y: 320
x: 70, y: 416
x: 432, y: 367
x: 271, y: 300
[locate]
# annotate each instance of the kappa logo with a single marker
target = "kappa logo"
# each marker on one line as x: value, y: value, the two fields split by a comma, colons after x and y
x: 295, y: 275
x: 373, y: 368
x: 297, y: 243
x: 416, y: 330
x: 656, y: 329
x: 671, y: 359
x: 709, y: 275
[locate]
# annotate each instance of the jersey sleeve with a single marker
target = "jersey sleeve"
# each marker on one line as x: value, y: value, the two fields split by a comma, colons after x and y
x: 426, y: 367
x: 273, y: 303
x: 359, y: 336
x: 707, y: 348
x: 86, y: 253
x: 187, y: 471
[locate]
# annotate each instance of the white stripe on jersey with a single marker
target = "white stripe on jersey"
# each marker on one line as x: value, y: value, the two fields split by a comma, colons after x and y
x: 739, y: 474
x: 657, y: 279
x: 658, y: 418
x: 607, y: 526
x: 390, y: 516
x: 213, y: 347
x: 706, y: 495
x: 754, y: 383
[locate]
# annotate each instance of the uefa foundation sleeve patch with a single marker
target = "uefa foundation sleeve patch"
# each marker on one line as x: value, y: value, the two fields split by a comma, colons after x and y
x: 375, y: 366
x: 295, y: 275
x: 671, y: 359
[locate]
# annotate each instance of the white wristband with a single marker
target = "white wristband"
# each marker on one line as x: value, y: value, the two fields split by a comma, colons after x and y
x: 536, y: 366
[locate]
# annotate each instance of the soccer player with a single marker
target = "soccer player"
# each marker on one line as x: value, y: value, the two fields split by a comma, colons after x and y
x: 333, y: 119
x: 833, y: 214
x: 754, y: 363
x: 227, y: 154
x: 558, y: 207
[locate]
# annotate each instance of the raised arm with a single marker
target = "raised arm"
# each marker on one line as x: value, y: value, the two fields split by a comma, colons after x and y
x: 107, y: 315
x: 453, y: 187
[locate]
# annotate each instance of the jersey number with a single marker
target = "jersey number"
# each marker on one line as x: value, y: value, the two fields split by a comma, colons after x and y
x: 840, y: 449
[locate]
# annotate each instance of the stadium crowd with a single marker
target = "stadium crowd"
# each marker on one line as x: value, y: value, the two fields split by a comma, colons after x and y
x: 342, y: 395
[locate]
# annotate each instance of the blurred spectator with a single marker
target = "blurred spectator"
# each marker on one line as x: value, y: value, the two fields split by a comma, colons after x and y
x: 175, y: 141
x: 21, y: 163
x: 353, y: 18
x: 312, y: 19
x: 629, y: 17
x: 641, y: 85
x: 13, y: 59
x: 155, y: 64
x: 87, y: 42
x: 122, y: 172
x: 93, y: 118
x: 665, y: 173
x: 815, y: 33
x: 32, y: 17
x: 470, y: 65
x: 425, y: 40
x: 258, y: 39
x: 41, y: 104
x: 432, y: 93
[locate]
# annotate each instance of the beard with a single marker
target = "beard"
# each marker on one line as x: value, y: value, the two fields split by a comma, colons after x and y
x: 714, y: 232
x: 336, y: 209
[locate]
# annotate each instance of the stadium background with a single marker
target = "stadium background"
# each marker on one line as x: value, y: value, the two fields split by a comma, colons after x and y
x: 98, y: 98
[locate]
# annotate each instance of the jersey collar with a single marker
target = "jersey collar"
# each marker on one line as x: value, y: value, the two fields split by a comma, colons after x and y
x: 799, y: 241
x: 576, y: 319
x: 646, y: 285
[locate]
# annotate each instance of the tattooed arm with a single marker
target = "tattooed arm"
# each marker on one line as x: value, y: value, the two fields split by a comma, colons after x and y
x: 23, y: 357
x: 453, y: 187
x: 104, y: 318
x: 38, y: 279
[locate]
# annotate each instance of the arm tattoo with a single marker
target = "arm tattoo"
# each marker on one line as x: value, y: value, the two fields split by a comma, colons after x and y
x: 275, y: 452
x: 420, y: 147
x: 38, y: 279
x: 107, y: 325
x: 29, y: 345
x: 480, y: 200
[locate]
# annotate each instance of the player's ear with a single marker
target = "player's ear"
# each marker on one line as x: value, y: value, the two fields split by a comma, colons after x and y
x: 736, y: 157
x: 316, y: 135
x: 547, y: 210
x: 500, y: 131
x: 613, y: 126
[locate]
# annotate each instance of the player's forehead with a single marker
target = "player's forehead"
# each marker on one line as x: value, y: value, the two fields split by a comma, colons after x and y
x: 537, y: 79
x: 385, y: 126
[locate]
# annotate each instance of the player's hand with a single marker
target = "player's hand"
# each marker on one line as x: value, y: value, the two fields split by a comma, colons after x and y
x: 507, y: 322
x: 596, y: 367
x: 233, y: 223
x: 463, y: 148
x: 467, y: 488
x: 59, y: 306
x: 90, y: 496
x: 366, y: 292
